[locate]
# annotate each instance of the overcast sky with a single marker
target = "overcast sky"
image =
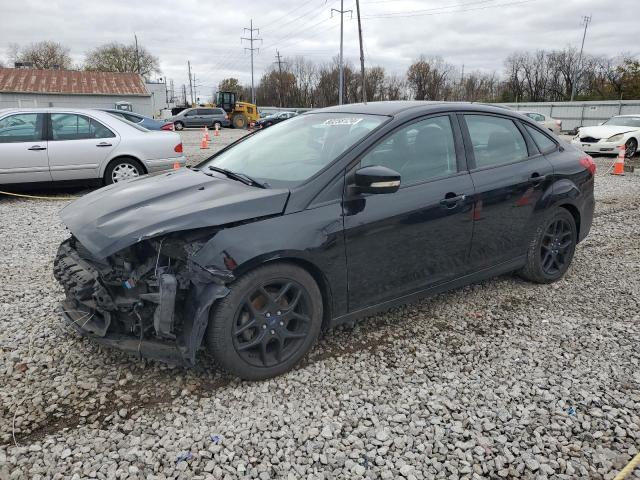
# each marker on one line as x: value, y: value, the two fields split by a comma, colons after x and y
x: 476, y: 33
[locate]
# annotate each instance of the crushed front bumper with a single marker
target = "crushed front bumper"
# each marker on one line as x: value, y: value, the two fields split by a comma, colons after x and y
x: 601, y: 146
x: 146, y: 320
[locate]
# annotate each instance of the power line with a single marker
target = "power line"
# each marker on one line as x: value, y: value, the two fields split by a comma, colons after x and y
x: 416, y: 13
x: 264, y: 27
x: 251, y: 49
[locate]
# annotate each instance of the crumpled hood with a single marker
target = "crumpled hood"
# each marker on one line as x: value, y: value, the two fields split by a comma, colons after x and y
x: 604, y: 131
x: 115, y: 217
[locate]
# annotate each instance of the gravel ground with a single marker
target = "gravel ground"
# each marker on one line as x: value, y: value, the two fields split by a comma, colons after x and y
x: 502, y: 379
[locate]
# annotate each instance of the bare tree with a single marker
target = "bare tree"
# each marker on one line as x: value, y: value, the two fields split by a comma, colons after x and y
x: 428, y: 78
x: 118, y: 57
x: 42, y: 55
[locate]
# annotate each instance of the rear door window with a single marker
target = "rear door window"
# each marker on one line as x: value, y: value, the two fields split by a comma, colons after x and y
x: 495, y: 140
x: 68, y: 126
x: 544, y: 143
x: 24, y: 127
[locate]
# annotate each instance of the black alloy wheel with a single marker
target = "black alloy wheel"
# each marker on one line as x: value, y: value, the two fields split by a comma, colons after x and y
x: 272, y: 323
x: 267, y: 323
x: 556, y: 247
x: 551, y: 247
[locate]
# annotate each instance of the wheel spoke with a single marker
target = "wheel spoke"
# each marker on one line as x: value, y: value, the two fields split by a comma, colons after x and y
x: 268, y: 299
x: 294, y: 303
x: 243, y: 328
x: 301, y: 317
x: 290, y: 334
x: 282, y: 293
x: 279, y: 349
x: 257, y: 340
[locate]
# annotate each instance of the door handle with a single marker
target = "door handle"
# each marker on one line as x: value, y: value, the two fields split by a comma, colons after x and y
x: 103, y: 144
x: 37, y: 147
x: 535, y: 178
x: 452, y: 201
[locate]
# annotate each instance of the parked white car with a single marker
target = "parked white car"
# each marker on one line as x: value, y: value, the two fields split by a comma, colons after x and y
x: 55, y: 144
x: 552, y: 124
x: 610, y: 135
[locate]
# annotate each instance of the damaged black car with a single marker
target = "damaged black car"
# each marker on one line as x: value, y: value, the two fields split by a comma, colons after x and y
x: 333, y: 215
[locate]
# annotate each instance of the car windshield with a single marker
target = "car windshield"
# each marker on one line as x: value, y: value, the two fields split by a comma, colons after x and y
x: 291, y: 152
x: 624, y: 121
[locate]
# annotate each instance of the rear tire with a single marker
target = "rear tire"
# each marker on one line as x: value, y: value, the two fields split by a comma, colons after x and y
x: 552, y: 247
x: 267, y: 323
x: 179, y: 126
x: 124, y: 168
x: 218, y: 124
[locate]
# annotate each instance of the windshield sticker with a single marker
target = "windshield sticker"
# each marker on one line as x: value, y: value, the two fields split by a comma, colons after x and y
x: 343, y: 121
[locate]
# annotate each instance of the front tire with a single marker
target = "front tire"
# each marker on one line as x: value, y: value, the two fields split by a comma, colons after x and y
x: 267, y: 323
x: 552, y: 247
x: 240, y: 121
x: 631, y: 147
x: 218, y: 124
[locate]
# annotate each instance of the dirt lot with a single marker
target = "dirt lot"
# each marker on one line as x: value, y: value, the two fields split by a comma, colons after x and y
x: 503, y: 379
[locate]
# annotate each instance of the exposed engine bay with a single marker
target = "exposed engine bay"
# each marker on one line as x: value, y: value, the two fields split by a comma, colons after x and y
x: 147, y: 298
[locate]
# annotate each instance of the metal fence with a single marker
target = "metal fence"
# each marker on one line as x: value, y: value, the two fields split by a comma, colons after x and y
x: 580, y: 114
x: 572, y: 114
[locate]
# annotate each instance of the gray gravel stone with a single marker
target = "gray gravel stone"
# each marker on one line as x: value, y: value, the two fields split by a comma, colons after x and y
x: 502, y: 379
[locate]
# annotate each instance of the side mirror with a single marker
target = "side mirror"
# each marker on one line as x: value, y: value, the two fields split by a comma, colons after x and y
x: 376, y: 179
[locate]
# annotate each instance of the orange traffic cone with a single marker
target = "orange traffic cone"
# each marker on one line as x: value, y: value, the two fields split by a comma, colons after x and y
x: 618, y: 168
x: 206, y: 133
x: 251, y: 125
x: 204, y: 143
x: 176, y: 165
x: 216, y: 132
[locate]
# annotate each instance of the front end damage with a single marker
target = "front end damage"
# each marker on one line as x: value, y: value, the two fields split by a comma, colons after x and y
x: 149, y: 299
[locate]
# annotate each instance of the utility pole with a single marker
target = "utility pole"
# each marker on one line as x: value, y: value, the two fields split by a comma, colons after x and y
x: 184, y: 94
x: 252, y: 39
x: 342, y: 11
x: 586, y: 20
x: 462, y: 84
x: 279, y: 62
x: 190, y: 82
x: 137, y: 54
x: 364, y: 82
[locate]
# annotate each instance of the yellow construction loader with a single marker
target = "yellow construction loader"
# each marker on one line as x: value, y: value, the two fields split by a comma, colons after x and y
x: 241, y: 114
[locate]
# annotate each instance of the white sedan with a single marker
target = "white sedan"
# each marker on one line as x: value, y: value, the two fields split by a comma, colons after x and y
x: 609, y: 136
x: 80, y: 145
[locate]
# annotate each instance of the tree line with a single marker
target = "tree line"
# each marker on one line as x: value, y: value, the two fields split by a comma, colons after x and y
x: 527, y: 77
x: 110, y: 57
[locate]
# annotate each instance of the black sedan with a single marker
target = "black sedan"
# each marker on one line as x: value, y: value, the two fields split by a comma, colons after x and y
x: 270, y: 120
x: 331, y: 216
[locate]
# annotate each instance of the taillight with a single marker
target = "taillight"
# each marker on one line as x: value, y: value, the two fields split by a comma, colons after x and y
x: 167, y: 126
x: 226, y: 117
x: 558, y: 122
x: 178, y: 148
x: 588, y: 163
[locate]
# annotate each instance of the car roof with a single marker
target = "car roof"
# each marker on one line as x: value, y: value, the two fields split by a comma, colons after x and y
x: 392, y: 108
x: 115, y: 110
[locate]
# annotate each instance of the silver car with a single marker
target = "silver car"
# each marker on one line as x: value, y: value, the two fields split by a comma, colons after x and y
x: 201, y: 117
x: 552, y: 124
x: 55, y: 144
